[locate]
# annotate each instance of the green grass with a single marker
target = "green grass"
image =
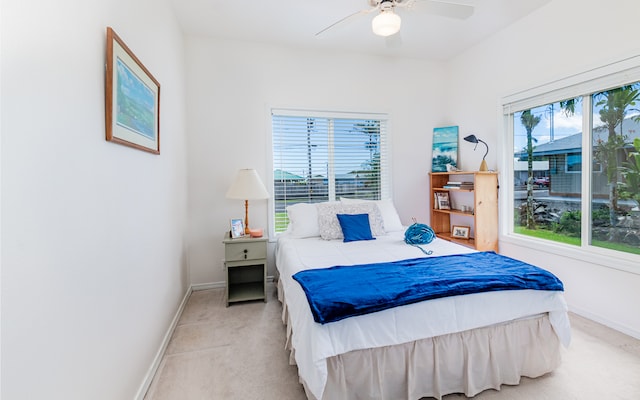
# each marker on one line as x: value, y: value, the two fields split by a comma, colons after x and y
x: 557, y: 237
x: 548, y: 235
x: 282, y: 220
x: 616, y: 246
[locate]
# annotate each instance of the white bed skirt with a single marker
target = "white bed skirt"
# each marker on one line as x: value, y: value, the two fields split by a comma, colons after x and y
x: 465, y: 362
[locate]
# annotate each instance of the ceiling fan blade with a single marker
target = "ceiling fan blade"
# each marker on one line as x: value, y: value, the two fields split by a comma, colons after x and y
x: 450, y: 9
x: 346, y: 18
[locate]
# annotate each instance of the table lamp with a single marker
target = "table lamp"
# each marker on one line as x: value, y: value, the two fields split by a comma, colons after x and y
x: 474, y: 139
x: 247, y: 186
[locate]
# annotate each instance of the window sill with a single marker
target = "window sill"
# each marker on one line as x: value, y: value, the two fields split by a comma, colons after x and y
x: 593, y: 255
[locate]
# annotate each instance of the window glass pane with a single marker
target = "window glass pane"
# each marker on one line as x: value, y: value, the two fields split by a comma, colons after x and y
x: 574, y: 163
x: 615, y: 185
x: 547, y: 171
x: 357, y: 159
x: 320, y: 159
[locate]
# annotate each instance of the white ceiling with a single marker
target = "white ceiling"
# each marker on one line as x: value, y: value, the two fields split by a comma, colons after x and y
x: 295, y: 23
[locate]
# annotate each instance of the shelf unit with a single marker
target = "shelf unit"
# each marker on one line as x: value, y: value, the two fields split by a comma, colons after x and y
x: 483, y: 198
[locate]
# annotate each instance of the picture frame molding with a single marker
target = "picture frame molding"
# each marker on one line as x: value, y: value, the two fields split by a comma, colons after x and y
x: 145, y: 135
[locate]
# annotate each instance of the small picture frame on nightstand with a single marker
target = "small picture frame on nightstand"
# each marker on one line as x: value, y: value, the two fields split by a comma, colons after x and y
x: 237, y: 228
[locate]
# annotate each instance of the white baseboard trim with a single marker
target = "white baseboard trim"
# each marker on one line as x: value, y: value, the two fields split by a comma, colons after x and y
x: 217, y: 285
x: 606, y: 322
x: 146, y: 383
x: 211, y: 285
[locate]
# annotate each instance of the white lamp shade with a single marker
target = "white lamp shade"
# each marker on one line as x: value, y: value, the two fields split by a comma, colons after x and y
x: 247, y: 185
x: 386, y: 23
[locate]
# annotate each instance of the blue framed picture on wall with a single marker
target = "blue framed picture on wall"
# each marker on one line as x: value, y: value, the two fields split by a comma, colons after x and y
x: 445, y: 149
x: 132, y: 99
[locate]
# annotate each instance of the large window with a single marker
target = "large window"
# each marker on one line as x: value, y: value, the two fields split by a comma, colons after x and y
x: 547, y: 169
x: 320, y: 156
x: 576, y: 169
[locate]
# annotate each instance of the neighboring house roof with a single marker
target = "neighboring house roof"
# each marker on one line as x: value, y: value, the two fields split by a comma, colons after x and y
x: 350, y: 175
x: 573, y: 143
x: 568, y: 144
x: 280, y: 175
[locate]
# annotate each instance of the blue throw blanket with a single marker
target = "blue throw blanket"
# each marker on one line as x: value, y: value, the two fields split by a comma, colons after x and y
x: 344, y: 291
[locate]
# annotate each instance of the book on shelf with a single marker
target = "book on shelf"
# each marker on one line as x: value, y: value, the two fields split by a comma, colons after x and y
x: 464, y: 185
x: 459, y: 183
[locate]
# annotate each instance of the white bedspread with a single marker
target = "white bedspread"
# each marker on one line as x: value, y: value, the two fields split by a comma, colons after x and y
x: 314, y: 343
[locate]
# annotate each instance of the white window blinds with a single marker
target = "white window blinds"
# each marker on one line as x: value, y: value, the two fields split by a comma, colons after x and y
x: 319, y: 156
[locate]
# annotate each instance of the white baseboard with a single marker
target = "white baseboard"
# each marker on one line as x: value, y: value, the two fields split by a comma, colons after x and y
x: 217, y: 285
x: 146, y: 383
x: 606, y: 322
x: 211, y: 285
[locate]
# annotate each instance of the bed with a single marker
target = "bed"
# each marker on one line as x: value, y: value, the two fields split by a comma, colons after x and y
x: 460, y: 344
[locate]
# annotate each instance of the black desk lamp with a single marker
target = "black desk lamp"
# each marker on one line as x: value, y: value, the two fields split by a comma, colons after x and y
x: 474, y: 139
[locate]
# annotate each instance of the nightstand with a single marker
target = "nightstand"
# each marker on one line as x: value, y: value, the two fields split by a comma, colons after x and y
x: 245, y: 261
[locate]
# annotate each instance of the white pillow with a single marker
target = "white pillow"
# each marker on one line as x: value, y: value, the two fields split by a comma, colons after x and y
x: 330, y: 226
x: 303, y: 220
x: 390, y: 217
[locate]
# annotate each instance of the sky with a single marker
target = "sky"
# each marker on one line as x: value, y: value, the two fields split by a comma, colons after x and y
x: 563, y: 125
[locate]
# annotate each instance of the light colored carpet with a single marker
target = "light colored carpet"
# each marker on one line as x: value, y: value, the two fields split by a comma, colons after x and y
x: 238, y: 353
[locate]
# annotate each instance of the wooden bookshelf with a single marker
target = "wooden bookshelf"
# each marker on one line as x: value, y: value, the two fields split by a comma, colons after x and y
x: 482, y: 199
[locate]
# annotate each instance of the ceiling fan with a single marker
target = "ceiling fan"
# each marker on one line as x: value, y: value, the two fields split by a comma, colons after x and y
x: 387, y: 22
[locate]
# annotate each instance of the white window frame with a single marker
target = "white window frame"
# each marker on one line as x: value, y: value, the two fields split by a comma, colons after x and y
x: 583, y: 84
x: 385, y: 156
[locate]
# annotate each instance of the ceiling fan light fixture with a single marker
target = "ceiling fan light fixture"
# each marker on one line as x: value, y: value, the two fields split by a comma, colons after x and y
x: 386, y: 23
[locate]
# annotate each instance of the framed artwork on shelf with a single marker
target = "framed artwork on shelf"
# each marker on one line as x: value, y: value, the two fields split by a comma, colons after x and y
x: 460, y: 232
x: 132, y: 99
x: 445, y: 149
x: 237, y: 228
x: 443, y: 201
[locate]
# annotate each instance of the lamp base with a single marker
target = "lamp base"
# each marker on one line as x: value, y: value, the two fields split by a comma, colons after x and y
x: 483, y: 166
x: 246, y: 218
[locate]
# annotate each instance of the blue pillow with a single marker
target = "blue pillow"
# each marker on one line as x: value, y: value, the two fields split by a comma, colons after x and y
x: 355, y: 227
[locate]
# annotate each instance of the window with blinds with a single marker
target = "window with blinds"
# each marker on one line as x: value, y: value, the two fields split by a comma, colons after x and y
x: 320, y: 156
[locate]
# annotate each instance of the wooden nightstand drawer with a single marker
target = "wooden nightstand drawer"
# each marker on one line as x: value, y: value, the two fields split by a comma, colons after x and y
x: 245, y: 251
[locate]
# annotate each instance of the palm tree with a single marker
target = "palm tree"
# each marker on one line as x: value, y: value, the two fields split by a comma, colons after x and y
x: 631, y: 172
x: 529, y: 121
x: 615, y: 105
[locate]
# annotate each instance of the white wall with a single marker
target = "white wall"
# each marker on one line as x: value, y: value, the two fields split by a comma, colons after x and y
x: 561, y: 39
x: 93, y: 248
x: 231, y: 86
x: 93, y: 234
